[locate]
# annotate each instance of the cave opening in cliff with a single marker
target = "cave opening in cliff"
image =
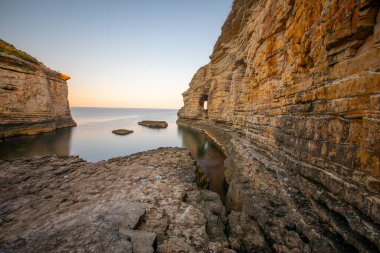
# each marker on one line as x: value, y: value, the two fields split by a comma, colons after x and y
x: 204, y: 102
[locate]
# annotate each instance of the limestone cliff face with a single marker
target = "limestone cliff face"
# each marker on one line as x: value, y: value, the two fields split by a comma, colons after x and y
x: 33, y: 98
x: 297, y: 84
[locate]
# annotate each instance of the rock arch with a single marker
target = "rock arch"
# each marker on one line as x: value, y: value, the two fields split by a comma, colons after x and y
x: 203, y: 103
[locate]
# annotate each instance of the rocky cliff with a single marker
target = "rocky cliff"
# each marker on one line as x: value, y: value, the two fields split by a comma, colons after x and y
x: 33, y: 98
x: 293, y: 95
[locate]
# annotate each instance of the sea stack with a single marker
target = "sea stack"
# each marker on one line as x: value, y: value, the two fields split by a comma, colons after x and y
x: 33, y: 98
x: 293, y: 95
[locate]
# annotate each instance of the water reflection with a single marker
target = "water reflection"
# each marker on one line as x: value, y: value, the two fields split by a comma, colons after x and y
x: 208, y: 156
x: 93, y: 141
x: 57, y: 142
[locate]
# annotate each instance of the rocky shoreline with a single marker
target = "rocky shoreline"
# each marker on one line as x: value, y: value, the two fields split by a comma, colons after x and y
x: 150, y: 202
x: 292, y: 95
x: 144, y: 202
x: 274, y: 209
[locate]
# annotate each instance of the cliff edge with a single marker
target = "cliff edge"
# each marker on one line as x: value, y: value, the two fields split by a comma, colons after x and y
x: 33, y: 98
x: 293, y: 95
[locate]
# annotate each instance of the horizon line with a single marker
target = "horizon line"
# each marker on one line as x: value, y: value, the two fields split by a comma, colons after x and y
x: 124, y: 107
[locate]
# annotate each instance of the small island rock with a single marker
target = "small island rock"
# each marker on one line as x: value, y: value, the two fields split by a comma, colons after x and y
x: 153, y: 124
x: 122, y: 131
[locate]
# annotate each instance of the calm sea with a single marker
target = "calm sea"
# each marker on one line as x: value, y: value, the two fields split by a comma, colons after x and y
x: 93, y: 139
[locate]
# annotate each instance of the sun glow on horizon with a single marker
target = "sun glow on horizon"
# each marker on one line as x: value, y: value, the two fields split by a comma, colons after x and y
x: 130, y: 54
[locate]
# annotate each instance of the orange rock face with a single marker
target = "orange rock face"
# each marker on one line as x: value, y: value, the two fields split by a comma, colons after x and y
x: 65, y: 77
x: 301, y: 81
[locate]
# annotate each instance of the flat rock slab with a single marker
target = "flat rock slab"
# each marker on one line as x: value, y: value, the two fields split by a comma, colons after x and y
x: 142, y: 241
x: 122, y: 131
x: 153, y: 124
x: 144, y: 202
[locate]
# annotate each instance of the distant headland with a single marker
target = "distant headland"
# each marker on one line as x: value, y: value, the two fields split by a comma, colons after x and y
x: 33, y: 97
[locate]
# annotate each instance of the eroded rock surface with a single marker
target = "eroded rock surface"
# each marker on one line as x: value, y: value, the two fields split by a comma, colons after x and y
x: 56, y: 204
x: 293, y: 95
x: 33, y: 98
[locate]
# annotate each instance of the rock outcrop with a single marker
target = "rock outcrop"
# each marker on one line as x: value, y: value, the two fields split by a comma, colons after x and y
x: 144, y: 202
x: 33, y: 98
x: 293, y: 96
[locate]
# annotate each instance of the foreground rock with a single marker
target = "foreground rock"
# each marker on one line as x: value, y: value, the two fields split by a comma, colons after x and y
x: 275, y: 209
x: 153, y: 124
x: 33, y: 97
x: 55, y: 204
x: 122, y: 131
x: 293, y: 95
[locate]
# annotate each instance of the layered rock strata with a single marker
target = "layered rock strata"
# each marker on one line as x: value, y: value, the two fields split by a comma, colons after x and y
x: 33, y: 98
x: 144, y: 202
x: 293, y: 95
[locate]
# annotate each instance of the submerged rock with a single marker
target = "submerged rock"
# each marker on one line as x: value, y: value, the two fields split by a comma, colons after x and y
x: 122, y: 131
x: 153, y: 124
x: 55, y: 204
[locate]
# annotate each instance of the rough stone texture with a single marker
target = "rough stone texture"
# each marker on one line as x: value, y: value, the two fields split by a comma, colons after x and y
x: 293, y: 95
x: 33, y: 98
x: 65, y: 204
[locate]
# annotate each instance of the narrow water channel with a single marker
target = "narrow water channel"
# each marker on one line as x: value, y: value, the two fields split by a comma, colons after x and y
x: 208, y: 156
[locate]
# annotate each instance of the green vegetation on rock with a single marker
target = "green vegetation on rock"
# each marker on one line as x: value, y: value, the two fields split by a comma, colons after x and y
x: 10, y: 49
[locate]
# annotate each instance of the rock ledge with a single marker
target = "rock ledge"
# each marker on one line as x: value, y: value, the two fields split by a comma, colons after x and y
x: 55, y: 204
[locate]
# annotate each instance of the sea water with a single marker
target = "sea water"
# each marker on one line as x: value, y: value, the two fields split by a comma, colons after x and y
x: 92, y: 139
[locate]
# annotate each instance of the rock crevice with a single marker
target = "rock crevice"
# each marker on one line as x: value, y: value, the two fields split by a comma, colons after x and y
x: 145, y: 202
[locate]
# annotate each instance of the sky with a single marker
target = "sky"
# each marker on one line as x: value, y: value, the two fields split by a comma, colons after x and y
x: 119, y: 53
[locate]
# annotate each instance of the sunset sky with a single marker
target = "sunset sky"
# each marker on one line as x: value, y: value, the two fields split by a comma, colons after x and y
x: 131, y: 53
